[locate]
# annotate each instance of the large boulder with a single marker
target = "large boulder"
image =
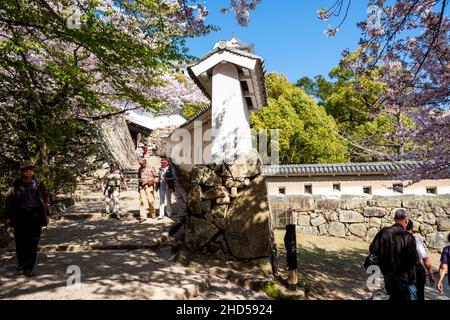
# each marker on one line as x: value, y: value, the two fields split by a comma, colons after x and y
x: 443, y: 224
x: 194, y: 200
x: 220, y: 210
x: 215, y: 192
x: 202, y: 175
x: 199, y: 232
x: 248, y: 230
x: 246, y: 165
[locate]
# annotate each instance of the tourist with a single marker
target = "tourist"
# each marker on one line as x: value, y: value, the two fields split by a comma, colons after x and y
x: 424, y: 262
x: 145, y: 151
x: 140, y: 151
x: 27, y: 211
x: 166, y: 187
x: 111, y: 186
x: 397, y: 258
x: 147, y: 179
x: 443, y: 268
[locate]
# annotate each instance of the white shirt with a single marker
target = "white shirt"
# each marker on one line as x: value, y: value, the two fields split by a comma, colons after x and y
x: 420, y: 249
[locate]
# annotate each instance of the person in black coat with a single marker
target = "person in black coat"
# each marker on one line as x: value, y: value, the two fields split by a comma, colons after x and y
x: 27, y: 210
x: 397, y: 258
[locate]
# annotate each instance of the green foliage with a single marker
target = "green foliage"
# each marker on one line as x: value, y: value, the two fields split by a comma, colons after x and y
x: 57, y: 180
x: 4, y: 184
x: 271, y: 290
x: 352, y: 100
x: 189, y: 110
x: 307, y: 133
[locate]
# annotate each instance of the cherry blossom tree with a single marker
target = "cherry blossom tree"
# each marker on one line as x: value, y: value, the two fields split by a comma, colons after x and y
x: 65, y: 64
x: 408, y: 41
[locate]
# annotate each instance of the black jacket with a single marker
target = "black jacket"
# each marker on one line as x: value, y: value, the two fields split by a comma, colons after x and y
x: 396, y: 251
x: 13, y: 197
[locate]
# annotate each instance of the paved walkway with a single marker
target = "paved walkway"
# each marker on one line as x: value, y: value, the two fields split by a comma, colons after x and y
x: 334, y: 270
x: 117, y: 259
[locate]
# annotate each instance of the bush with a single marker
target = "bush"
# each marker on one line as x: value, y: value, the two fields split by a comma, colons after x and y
x: 57, y: 180
x: 5, y: 181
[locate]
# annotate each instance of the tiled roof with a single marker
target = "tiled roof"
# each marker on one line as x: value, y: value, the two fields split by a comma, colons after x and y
x: 339, y: 169
x: 237, y: 52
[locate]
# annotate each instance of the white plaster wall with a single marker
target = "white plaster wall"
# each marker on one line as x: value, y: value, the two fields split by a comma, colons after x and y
x: 231, y: 129
x: 353, y: 185
x: 150, y: 121
x: 164, y: 121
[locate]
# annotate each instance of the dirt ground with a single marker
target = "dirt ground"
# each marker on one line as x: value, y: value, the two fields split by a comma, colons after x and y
x: 333, y: 267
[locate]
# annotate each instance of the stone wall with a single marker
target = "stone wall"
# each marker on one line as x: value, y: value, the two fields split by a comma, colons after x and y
x: 228, y: 212
x: 116, y: 142
x: 360, y: 218
x: 157, y: 140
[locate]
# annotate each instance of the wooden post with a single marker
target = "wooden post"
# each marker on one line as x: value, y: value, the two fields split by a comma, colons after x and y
x: 290, y: 242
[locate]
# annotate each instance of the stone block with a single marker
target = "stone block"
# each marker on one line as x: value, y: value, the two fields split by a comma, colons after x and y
x: 389, y: 203
x: 220, y: 210
x: 194, y: 200
x: 331, y: 216
x: 375, y: 222
x: 299, y: 203
x: 318, y: 221
x: 371, y: 234
x: 353, y: 203
x: 327, y: 204
x: 443, y: 224
x: 225, y: 200
x: 437, y: 240
x: 350, y: 217
x: 303, y: 220
x: 358, y: 229
x: 206, y: 207
x: 216, y: 192
x: 248, y: 232
x: 323, y: 229
x: 337, y: 229
x: 374, y: 212
x: 199, y: 232
x: 307, y: 230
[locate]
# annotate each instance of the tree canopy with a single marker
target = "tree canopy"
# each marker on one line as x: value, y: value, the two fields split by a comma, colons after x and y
x: 307, y: 133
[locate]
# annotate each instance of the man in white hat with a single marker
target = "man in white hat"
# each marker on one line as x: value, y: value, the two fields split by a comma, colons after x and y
x: 27, y: 210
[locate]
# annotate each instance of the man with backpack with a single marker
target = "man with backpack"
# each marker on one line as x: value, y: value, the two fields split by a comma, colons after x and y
x: 396, y: 255
x: 27, y: 211
x: 166, y: 186
x: 111, y: 185
x: 147, y: 183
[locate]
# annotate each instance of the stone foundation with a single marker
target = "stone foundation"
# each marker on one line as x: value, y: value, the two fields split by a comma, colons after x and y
x: 228, y: 212
x: 360, y: 218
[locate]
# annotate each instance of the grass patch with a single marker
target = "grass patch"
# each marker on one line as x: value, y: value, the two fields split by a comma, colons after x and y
x: 273, y: 290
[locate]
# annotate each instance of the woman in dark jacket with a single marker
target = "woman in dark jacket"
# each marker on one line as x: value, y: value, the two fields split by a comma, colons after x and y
x: 27, y: 210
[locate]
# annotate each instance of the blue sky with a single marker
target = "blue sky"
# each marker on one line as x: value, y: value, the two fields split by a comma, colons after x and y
x: 287, y: 34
